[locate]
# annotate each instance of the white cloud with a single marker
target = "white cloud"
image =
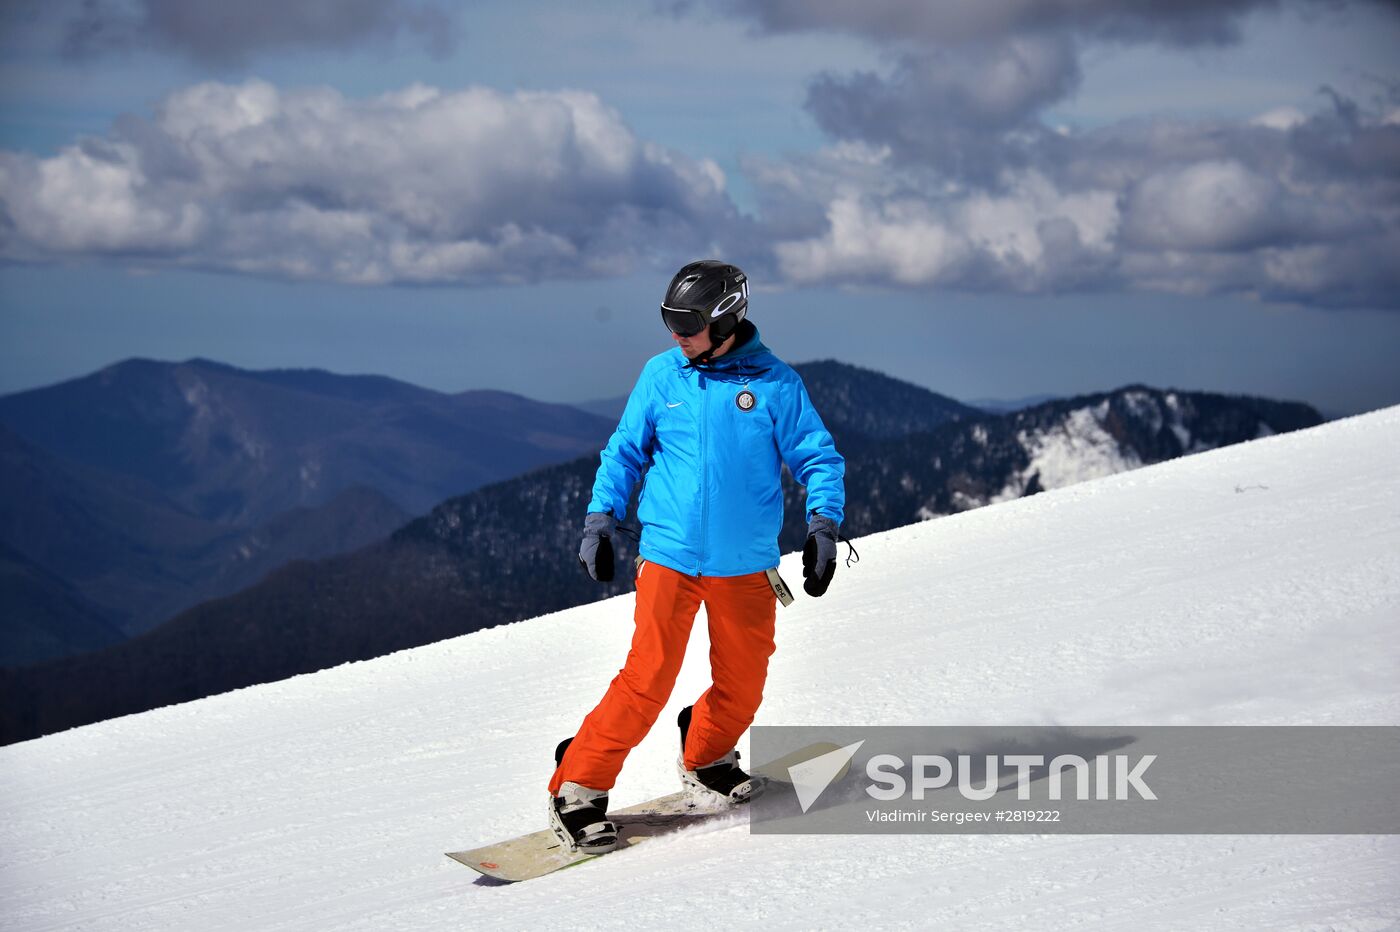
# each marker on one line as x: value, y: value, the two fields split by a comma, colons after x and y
x: 1029, y: 236
x: 1309, y: 213
x: 420, y: 185
x: 1217, y: 204
x: 901, y: 241
x: 91, y: 199
x: 1011, y: 225
x: 975, y: 190
x: 1283, y: 118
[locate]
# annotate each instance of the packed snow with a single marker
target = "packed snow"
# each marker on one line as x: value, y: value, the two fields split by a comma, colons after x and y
x: 1256, y: 584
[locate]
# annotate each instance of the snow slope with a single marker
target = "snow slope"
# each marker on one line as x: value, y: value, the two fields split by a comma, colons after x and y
x: 1258, y: 584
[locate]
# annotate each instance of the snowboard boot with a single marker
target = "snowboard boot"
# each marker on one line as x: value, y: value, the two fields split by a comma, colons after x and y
x: 578, y: 815
x: 723, y: 777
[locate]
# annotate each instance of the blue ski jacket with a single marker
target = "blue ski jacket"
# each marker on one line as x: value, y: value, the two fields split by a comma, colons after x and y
x: 715, y: 438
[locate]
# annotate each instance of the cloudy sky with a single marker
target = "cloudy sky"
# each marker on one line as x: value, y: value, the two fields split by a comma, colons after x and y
x: 992, y: 198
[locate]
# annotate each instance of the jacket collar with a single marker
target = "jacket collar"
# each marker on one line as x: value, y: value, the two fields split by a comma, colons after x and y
x: 746, y: 346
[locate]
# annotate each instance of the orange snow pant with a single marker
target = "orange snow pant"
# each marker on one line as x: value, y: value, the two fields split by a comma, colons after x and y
x: 741, y: 612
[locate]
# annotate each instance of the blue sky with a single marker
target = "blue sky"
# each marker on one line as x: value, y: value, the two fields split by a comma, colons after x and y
x: 991, y: 199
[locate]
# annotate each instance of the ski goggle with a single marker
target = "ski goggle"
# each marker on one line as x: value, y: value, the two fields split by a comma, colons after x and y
x: 683, y: 323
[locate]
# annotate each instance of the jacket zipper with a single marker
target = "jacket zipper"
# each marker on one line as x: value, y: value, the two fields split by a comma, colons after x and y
x: 704, y: 472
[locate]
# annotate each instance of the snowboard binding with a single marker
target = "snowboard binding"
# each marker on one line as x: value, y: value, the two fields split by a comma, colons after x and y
x: 578, y: 815
x: 723, y: 777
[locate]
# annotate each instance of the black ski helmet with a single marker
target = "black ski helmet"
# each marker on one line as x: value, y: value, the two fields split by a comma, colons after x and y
x: 708, y: 293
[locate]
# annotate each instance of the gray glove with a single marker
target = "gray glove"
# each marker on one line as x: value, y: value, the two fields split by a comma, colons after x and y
x: 596, y: 551
x: 819, y: 555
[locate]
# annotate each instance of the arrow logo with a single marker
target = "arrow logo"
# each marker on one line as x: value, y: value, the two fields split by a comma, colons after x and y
x: 811, y: 777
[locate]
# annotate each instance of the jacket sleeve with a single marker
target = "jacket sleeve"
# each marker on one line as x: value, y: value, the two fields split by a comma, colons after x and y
x: 627, y: 454
x: 808, y: 450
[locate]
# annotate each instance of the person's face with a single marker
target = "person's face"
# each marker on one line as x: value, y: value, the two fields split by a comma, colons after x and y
x: 693, y: 346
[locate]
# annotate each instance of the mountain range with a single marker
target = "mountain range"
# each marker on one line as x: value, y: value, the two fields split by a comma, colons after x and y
x: 149, y: 487
x: 506, y: 551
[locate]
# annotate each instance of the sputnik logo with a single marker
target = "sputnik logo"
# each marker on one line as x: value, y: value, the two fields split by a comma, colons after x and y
x: 811, y: 777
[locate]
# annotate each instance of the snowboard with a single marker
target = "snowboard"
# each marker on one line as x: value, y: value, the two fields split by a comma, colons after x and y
x: 526, y: 857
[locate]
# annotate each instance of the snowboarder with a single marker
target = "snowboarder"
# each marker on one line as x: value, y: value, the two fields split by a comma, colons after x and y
x: 711, y: 422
